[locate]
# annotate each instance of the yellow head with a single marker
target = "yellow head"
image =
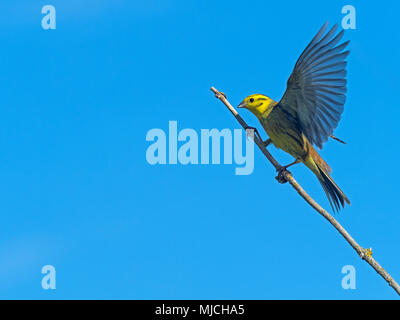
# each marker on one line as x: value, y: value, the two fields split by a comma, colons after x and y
x: 258, y: 104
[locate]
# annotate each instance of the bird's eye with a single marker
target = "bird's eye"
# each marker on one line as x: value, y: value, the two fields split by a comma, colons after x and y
x: 251, y: 100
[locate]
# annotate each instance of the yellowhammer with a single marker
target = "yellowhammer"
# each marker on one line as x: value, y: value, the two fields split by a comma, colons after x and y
x: 310, y: 109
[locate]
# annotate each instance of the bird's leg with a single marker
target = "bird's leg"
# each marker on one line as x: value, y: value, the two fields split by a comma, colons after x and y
x: 281, y: 177
x: 282, y: 168
x: 267, y: 142
x: 255, y: 132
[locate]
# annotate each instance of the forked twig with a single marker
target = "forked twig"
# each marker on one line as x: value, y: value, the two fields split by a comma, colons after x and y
x: 286, y: 176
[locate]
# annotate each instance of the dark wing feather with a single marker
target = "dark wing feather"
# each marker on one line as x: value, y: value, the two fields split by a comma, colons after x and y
x: 316, y: 89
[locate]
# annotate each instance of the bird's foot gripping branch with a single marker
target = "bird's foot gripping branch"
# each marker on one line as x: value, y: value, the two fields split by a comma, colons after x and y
x: 286, y: 176
x: 281, y: 175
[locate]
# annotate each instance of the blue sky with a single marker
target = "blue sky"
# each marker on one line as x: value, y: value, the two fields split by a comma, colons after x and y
x: 78, y: 194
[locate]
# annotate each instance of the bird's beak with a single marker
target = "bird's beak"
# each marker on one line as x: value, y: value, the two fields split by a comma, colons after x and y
x: 242, y: 105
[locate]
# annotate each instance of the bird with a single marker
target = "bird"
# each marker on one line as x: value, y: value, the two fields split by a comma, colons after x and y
x: 310, y: 108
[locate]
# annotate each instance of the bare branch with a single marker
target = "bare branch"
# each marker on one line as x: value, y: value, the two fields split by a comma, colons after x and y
x: 286, y: 176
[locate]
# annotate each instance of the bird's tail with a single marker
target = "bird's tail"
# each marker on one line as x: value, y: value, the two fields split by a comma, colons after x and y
x: 321, y: 169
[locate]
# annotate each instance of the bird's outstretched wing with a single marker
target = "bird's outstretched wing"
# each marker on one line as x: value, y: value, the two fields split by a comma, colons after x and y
x: 316, y: 89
